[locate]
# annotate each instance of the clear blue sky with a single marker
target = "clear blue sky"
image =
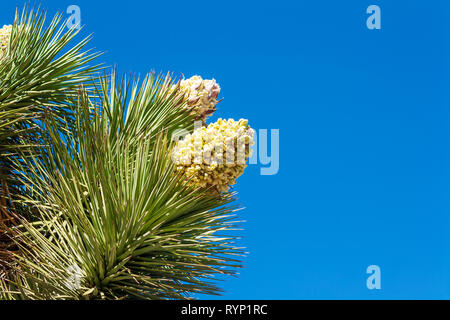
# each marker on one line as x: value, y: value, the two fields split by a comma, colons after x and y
x: 364, y: 131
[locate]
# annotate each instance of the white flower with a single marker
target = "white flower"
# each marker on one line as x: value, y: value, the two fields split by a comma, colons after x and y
x: 5, y: 36
x: 215, y: 156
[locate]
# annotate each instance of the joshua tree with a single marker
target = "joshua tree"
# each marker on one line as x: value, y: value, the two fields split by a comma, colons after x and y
x: 97, y: 200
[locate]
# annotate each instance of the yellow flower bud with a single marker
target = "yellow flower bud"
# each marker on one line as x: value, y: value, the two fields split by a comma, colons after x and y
x: 201, y: 95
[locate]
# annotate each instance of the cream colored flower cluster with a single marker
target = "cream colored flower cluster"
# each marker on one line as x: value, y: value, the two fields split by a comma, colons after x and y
x: 215, y: 156
x: 5, y: 35
x: 201, y: 95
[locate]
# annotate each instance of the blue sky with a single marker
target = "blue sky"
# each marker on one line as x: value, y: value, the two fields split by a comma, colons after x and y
x: 364, y: 124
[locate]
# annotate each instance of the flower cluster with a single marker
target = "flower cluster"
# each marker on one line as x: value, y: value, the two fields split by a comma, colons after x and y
x: 215, y: 156
x: 5, y: 35
x: 201, y: 95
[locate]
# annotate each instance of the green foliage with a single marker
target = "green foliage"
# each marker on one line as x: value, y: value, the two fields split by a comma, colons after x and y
x: 37, y: 75
x: 113, y: 208
x: 103, y: 213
